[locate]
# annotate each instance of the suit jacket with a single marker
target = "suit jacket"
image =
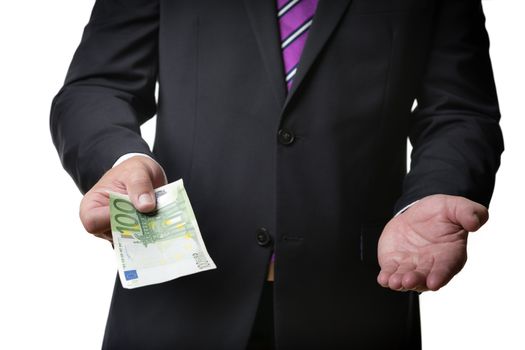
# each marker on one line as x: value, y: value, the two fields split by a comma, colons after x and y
x: 313, y: 174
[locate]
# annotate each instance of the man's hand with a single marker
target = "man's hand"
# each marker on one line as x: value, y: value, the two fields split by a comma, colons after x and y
x: 136, y: 177
x: 425, y: 246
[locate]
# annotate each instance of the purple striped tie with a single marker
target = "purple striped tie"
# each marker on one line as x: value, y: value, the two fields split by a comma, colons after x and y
x: 295, y: 18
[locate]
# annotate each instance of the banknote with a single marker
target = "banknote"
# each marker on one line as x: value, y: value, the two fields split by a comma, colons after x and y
x: 159, y: 246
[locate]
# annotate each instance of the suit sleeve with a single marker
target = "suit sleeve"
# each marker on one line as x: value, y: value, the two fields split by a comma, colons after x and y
x: 454, y: 130
x: 109, y: 89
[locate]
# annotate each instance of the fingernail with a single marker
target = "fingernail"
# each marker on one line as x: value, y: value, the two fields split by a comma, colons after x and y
x: 145, y: 199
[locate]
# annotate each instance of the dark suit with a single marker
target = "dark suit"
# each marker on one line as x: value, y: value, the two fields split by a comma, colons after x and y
x: 323, y: 194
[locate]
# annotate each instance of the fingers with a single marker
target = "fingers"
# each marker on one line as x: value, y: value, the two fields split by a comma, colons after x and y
x: 404, y: 280
x: 414, y: 280
x: 385, y: 273
x: 428, y: 275
x: 443, y: 270
x: 94, y: 217
x: 439, y: 277
x: 96, y: 220
x: 404, y: 277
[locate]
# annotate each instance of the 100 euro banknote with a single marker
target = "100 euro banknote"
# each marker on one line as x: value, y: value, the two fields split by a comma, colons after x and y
x: 159, y: 246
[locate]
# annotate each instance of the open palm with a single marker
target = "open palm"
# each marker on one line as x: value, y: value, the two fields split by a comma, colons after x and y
x: 424, y: 247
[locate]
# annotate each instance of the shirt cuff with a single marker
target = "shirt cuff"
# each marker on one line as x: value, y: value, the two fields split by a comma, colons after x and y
x: 129, y: 155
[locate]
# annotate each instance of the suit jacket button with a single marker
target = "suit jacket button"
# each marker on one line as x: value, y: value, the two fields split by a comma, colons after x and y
x: 263, y: 237
x: 285, y: 137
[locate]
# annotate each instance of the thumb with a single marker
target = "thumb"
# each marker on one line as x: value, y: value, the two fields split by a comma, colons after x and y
x: 140, y: 189
x: 470, y: 215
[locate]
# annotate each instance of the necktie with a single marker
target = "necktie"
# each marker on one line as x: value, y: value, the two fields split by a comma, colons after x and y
x: 295, y: 18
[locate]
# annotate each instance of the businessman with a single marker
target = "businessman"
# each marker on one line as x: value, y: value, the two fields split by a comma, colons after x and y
x: 288, y: 121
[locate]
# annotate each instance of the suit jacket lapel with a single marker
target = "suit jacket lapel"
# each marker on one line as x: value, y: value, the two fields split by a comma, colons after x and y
x: 263, y: 18
x: 326, y: 18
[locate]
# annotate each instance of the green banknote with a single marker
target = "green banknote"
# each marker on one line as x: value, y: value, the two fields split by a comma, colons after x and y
x: 159, y: 246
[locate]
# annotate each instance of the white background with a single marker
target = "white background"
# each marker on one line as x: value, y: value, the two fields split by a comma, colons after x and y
x: 56, y: 280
